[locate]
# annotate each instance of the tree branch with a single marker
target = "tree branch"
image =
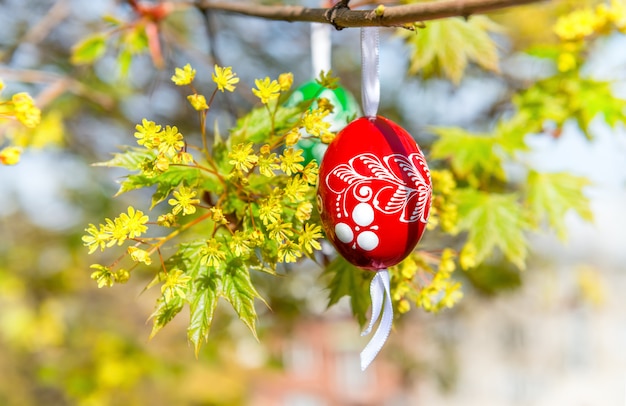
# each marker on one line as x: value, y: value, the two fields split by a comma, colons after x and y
x: 393, y: 16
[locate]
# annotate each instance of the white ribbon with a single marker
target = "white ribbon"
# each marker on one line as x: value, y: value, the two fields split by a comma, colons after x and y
x: 370, y: 82
x: 320, y: 48
x: 379, y: 292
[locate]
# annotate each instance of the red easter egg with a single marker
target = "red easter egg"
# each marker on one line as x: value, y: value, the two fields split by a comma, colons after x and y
x: 374, y: 193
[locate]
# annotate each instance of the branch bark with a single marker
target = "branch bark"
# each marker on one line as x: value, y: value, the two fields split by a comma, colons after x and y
x: 393, y: 16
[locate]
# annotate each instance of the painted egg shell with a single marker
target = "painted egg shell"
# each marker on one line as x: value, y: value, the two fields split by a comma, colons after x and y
x: 345, y: 109
x: 374, y: 193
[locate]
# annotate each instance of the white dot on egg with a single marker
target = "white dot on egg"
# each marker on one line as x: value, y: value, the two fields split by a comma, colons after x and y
x: 363, y: 214
x: 367, y: 240
x: 344, y: 232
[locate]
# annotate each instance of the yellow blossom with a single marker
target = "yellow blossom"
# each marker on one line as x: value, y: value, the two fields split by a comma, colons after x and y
x: 184, y: 76
x: 289, y: 252
x: 161, y: 163
x: 266, y: 90
x: 25, y: 110
x: 270, y: 210
x: 240, y: 243
x: 265, y: 149
x: 290, y: 161
x: 175, y: 284
x: 280, y: 231
x: 225, y: 79
x: 309, y: 236
x: 327, y: 137
x: 467, y: 258
x: 310, y: 173
x: 134, y: 222
x: 292, y: 137
x: 257, y: 238
x: 285, y: 80
x: 217, y: 215
x: 451, y: 294
x: 296, y: 189
x: 127, y: 225
x: 325, y: 105
x: 102, y: 275
x: 212, y: 254
x: 139, y: 255
x: 403, y: 306
x: 304, y: 210
x: 446, y: 263
x: 183, y: 201
x: 1, y: 85
x: 242, y: 157
x: 10, y: 155
x: 148, y: 134
x: 166, y: 220
x: 198, y: 102
x: 576, y: 25
x: 97, y: 237
x: 314, y: 124
x: 171, y: 141
x: 268, y: 163
x: 121, y: 276
x: 183, y: 157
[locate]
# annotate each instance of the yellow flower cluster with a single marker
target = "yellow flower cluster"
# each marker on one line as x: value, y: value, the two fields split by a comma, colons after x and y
x: 254, y: 218
x: 128, y: 225
x: 104, y: 276
x: 314, y: 124
x: 224, y: 78
x: 443, y: 212
x: 410, y: 283
x: 25, y: 110
x: 442, y: 292
x: 22, y: 108
x: 168, y: 143
x: 244, y: 159
x: 587, y: 21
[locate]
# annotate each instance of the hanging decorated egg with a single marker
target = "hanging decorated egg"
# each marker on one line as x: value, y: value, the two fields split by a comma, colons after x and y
x: 374, y: 193
x: 345, y: 109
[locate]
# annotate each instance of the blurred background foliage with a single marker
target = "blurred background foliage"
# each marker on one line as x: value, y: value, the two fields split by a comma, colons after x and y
x: 67, y: 342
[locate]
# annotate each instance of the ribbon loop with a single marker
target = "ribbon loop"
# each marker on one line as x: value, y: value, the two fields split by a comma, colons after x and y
x: 370, y: 82
x: 379, y: 292
x: 320, y: 48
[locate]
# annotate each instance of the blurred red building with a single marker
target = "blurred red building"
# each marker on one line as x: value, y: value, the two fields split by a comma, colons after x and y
x: 321, y: 367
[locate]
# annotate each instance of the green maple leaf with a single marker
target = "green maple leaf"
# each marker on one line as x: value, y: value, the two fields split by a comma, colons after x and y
x: 447, y: 46
x: 201, y: 311
x: 551, y: 195
x: 596, y: 98
x: 348, y: 280
x: 89, y: 50
x: 164, y: 313
x: 256, y: 126
x: 493, y: 221
x: 471, y: 156
x: 568, y: 96
x: 131, y: 159
x: 238, y: 290
x: 165, y: 182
